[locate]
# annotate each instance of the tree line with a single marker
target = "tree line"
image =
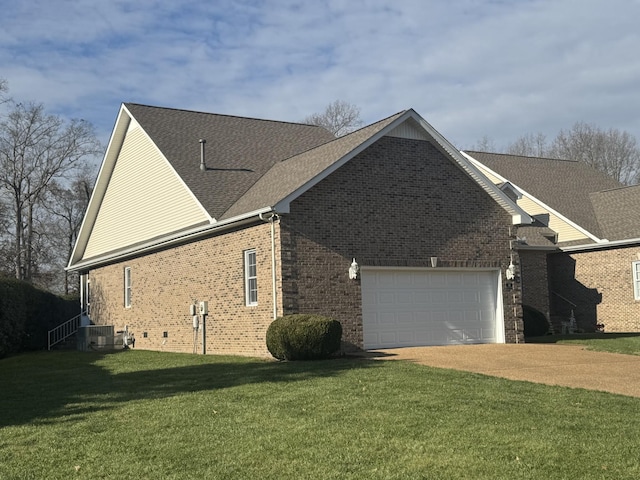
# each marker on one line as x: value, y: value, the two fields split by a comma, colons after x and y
x: 611, y: 151
x: 47, y: 170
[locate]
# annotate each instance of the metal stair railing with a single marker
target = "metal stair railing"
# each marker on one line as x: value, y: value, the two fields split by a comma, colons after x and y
x: 64, y: 330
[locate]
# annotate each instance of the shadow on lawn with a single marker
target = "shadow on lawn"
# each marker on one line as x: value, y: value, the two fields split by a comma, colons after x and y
x: 64, y: 386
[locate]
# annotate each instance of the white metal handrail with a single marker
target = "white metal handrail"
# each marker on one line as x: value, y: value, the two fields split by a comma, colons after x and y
x: 64, y: 330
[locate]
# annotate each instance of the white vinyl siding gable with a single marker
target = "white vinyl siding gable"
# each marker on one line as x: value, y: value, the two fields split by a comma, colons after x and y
x: 409, y: 130
x: 250, y: 278
x: 145, y: 199
x: 636, y: 280
x: 566, y: 232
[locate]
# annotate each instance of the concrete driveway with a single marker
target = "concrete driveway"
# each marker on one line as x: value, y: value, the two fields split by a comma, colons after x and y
x: 552, y: 364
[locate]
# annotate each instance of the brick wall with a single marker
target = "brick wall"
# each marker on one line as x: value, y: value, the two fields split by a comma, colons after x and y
x: 535, y: 285
x: 165, y: 283
x: 398, y: 203
x: 600, y: 284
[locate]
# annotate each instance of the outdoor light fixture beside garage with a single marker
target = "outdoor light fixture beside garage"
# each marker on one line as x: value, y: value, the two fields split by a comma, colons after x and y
x: 353, y: 270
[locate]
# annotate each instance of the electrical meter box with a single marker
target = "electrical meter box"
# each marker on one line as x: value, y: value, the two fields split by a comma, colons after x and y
x: 192, y: 310
x: 203, y: 308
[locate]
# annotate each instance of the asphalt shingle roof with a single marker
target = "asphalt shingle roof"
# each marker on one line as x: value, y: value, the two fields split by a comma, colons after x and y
x: 567, y: 187
x: 287, y: 176
x: 238, y: 150
x: 618, y: 212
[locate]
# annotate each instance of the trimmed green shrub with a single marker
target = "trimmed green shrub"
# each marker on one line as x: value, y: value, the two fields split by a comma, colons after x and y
x: 303, y: 337
x: 535, y: 322
x: 27, y: 314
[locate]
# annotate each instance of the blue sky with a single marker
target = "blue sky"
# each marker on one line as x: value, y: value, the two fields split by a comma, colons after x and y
x: 498, y: 68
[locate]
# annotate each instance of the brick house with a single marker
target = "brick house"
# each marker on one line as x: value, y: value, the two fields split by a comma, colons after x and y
x: 262, y: 218
x: 581, y: 256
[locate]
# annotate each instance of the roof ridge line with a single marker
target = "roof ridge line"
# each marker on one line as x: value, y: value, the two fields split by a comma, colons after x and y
x: 523, y: 156
x: 200, y: 112
x: 622, y: 187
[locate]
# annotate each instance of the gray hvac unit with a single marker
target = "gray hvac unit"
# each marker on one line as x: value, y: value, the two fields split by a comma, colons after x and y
x: 96, y: 337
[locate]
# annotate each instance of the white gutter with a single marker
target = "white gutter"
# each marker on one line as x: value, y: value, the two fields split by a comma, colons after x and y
x: 602, y: 244
x: 534, y: 199
x: 170, y: 240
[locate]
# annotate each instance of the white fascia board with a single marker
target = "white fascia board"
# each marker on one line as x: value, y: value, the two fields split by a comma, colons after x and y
x: 283, y: 206
x: 104, y: 175
x: 602, y: 244
x: 537, y: 201
x: 178, y: 177
x: 112, y: 153
x: 169, y: 240
x: 518, y: 215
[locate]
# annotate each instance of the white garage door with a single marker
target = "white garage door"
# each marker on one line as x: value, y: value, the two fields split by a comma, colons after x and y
x: 411, y: 307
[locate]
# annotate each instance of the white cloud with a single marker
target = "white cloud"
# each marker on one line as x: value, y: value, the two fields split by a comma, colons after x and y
x: 471, y: 68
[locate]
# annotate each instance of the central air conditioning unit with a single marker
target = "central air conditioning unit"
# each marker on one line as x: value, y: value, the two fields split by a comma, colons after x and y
x: 96, y: 337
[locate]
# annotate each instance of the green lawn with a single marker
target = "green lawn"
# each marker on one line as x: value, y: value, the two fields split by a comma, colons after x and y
x: 627, y: 343
x: 149, y: 415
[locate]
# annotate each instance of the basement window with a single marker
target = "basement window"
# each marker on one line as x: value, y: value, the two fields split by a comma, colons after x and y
x: 250, y: 278
x: 636, y: 280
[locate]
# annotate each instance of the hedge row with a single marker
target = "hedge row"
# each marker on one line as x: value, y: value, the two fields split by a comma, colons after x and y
x: 27, y: 314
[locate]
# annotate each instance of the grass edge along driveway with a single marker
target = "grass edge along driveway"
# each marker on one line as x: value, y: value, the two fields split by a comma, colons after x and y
x: 152, y: 415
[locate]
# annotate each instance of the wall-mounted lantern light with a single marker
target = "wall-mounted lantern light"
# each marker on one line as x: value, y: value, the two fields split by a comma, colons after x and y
x: 510, y: 272
x: 353, y: 270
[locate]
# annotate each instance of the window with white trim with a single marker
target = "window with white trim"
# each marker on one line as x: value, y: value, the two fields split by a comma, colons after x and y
x: 127, y: 287
x: 250, y: 278
x: 636, y: 280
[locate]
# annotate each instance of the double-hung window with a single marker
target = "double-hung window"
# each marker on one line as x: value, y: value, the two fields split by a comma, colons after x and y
x: 250, y: 278
x: 636, y: 280
x: 127, y: 287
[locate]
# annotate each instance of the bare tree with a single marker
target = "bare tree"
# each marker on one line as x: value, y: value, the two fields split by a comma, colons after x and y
x: 4, y: 88
x: 339, y: 118
x: 36, y: 149
x: 530, y: 145
x: 485, y: 144
x: 612, y: 151
x: 66, y: 206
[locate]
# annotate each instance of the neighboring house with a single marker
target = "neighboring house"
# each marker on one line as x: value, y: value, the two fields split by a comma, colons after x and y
x: 262, y: 218
x: 582, y: 254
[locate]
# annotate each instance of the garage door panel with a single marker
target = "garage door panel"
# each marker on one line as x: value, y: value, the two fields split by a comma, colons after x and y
x: 405, y: 297
x: 404, y: 308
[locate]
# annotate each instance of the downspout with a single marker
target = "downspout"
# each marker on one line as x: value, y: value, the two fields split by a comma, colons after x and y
x: 272, y: 219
